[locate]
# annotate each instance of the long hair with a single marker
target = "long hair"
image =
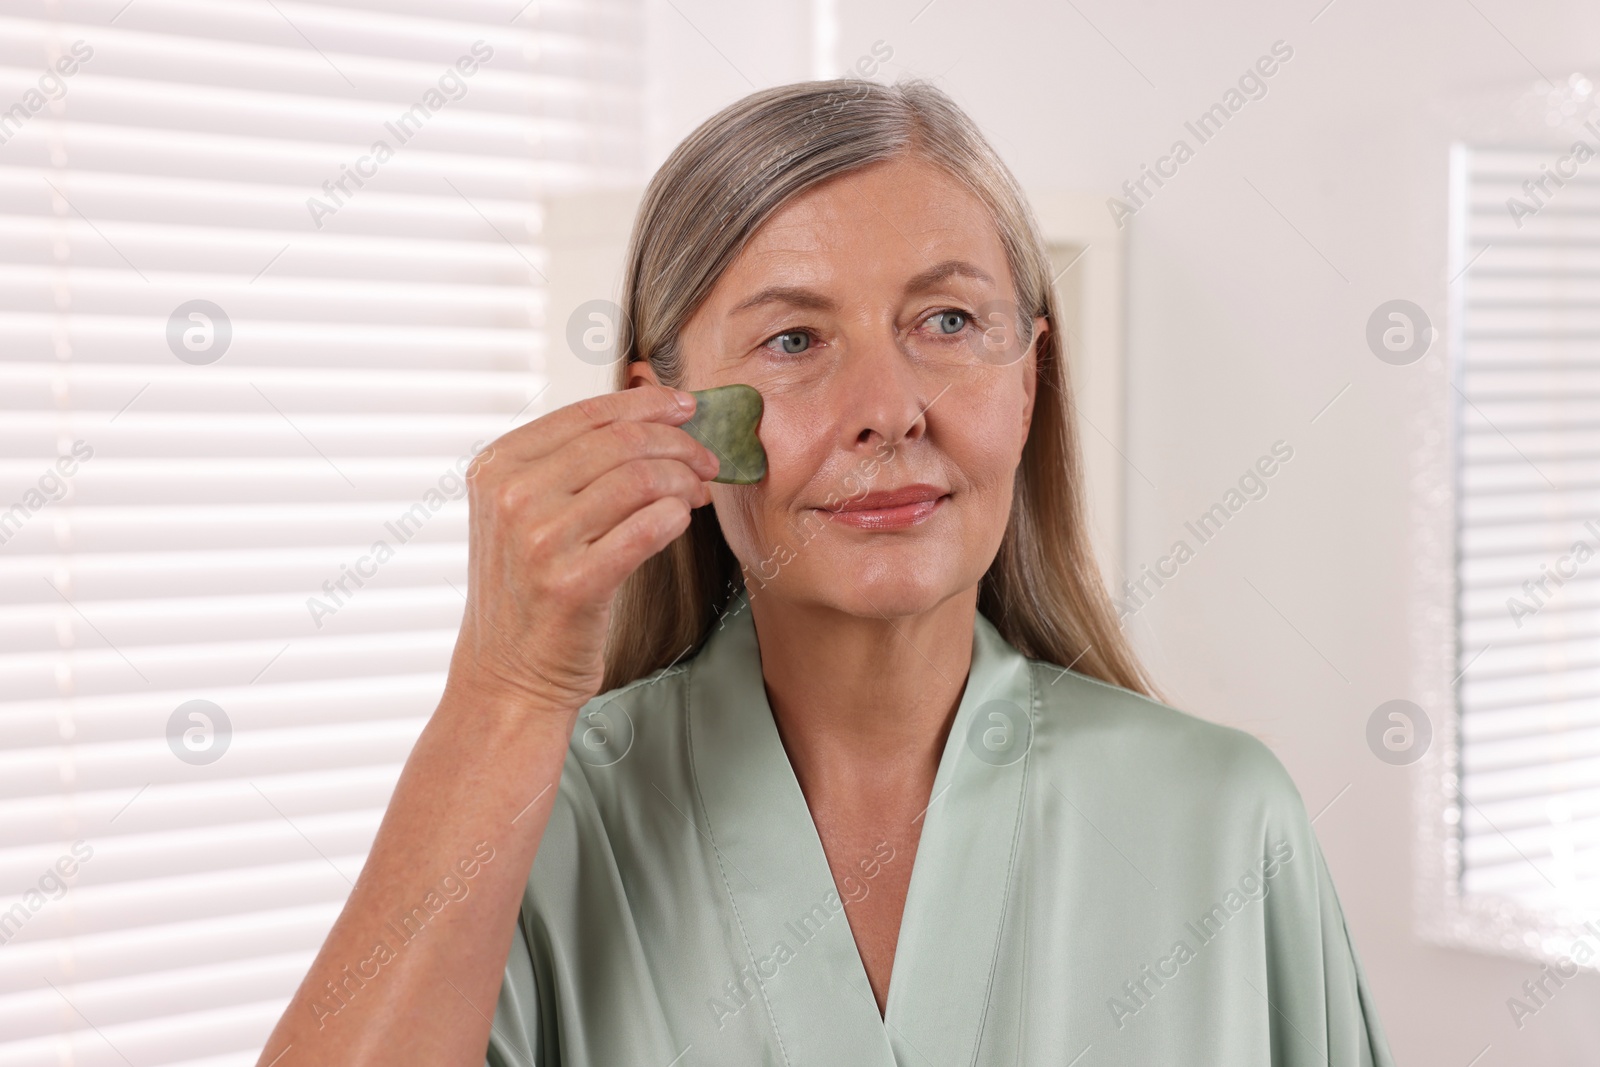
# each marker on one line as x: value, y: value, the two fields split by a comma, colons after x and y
x: 1043, y: 591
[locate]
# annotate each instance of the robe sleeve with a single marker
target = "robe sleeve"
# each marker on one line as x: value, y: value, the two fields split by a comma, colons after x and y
x: 1321, y: 1008
x: 514, y: 1035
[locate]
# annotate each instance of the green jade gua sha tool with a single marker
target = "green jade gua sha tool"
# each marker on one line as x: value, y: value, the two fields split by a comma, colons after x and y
x: 725, y: 421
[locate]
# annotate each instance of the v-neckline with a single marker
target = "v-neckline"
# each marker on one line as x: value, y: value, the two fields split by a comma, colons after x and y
x: 816, y: 996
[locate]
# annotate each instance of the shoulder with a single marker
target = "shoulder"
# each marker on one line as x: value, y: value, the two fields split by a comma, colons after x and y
x: 628, y: 721
x: 1169, y: 753
x: 645, y: 691
x: 642, y: 701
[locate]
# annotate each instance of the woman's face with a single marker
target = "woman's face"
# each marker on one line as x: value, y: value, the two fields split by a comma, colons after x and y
x: 876, y: 315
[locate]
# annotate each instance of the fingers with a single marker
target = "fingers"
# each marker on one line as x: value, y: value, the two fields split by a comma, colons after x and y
x: 602, y: 477
x: 592, y: 455
x: 563, y: 510
x: 636, y: 538
x: 549, y: 433
x: 618, y: 494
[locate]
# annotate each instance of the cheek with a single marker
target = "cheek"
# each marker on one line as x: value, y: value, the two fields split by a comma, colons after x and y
x: 755, y: 519
x: 738, y: 509
x: 983, y: 433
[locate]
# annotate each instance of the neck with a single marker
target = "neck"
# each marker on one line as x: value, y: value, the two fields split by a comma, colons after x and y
x: 864, y: 704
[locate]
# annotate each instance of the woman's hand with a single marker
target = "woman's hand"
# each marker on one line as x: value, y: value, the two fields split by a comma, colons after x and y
x: 562, y: 510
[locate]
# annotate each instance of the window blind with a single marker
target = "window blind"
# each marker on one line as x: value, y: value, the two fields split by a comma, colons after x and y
x: 1528, y: 524
x: 268, y: 270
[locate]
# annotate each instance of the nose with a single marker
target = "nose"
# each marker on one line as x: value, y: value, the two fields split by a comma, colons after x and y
x: 879, y: 393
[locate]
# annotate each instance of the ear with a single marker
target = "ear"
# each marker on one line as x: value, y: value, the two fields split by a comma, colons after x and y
x: 1030, y: 373
x: 640, y: 372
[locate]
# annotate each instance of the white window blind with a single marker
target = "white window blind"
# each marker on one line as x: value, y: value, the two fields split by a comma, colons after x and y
x: 244, y: 354
x: 1528, y: 533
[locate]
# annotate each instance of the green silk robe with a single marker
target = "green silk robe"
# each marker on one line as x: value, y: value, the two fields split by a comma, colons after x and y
x: 1100, y: 880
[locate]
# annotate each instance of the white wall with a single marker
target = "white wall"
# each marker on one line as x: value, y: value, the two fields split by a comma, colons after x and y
x: 1245, y: 319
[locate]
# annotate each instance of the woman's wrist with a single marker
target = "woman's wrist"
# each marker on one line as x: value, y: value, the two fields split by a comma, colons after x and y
x: 501, y: 714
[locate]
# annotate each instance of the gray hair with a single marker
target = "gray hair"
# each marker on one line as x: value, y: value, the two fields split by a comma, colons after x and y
x: 1043, y: 591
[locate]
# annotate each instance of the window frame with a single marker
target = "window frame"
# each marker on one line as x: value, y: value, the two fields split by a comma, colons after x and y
x: 1444, y: 913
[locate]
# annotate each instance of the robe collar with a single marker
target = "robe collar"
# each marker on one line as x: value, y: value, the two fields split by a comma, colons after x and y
x: 814, y: 993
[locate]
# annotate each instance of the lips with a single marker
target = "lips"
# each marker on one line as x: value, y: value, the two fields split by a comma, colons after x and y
x: 890, y: 509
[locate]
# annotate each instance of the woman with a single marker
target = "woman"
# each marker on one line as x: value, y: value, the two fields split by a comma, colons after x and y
x: 854, y: 766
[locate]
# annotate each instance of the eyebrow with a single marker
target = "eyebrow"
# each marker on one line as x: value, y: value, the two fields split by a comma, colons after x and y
x: 950, y: 268
x: 811, y: 300
x: 793, y: 295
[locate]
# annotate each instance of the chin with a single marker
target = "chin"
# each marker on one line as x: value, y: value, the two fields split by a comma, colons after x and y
x: 886, y: 585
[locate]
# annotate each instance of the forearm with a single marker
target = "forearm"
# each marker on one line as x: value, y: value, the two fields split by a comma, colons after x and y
x: 562, y: 510
x: 411, y: 970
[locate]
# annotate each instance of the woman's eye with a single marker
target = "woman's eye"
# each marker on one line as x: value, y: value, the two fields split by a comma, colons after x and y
x: 949, y: 321
x: 792, y: 343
